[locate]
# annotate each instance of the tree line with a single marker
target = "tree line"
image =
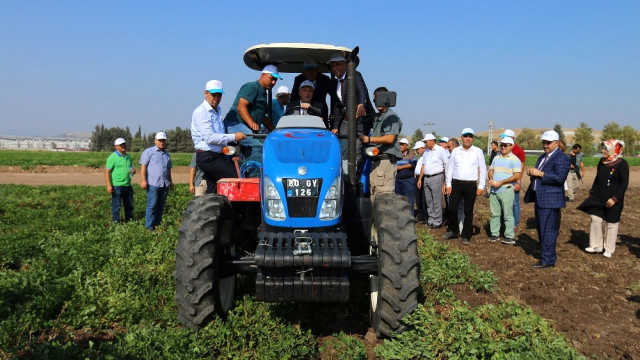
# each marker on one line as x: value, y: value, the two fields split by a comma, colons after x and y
x: 102, y: 139
x: 530, y: 139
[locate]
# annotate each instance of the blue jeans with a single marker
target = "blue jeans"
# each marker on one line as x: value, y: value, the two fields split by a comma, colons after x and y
x: 156, y: 197
x: 516, y: 207
x: 406, y: 187
x: 251, y: 148
x: 122, y: 195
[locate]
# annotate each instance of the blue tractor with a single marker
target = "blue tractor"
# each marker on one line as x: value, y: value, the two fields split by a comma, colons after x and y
x: 311, y: 228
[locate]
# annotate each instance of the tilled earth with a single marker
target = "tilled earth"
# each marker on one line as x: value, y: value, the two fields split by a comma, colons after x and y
x: 593, y: 300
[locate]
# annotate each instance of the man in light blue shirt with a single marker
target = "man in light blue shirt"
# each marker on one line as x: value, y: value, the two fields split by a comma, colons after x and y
x: 209, y: 137
x: 156, y: 178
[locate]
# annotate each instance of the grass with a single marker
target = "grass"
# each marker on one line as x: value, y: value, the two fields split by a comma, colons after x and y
x: 30, y: 159
x: 72, y: 285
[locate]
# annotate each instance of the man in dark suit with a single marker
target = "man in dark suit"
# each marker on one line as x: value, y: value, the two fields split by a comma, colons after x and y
x: 305, y: 105
x: 321, y: 85
x: 547, y: 191
x: 338, y: 94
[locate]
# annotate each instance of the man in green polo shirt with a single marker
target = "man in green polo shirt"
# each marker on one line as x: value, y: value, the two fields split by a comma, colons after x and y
x: 249, y: 112
x: 118, y: 173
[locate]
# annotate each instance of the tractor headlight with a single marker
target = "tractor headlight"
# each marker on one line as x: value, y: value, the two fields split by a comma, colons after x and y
x: 331, y: 204
x: 273, y: 203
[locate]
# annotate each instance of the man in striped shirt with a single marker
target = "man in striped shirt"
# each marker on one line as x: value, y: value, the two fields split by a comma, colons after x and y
x: 504, y: 172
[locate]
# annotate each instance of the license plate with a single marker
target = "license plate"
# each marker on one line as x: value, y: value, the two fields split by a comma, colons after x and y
x: 302, y: 187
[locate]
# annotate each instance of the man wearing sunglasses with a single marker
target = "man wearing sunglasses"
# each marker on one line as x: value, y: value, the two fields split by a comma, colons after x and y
x: 504, y: 172
x: 546, y: 190
x: 466, y: 174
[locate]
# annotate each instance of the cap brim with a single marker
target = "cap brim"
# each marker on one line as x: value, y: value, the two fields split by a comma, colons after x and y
x: 276, y: 76
x: 216, y: 91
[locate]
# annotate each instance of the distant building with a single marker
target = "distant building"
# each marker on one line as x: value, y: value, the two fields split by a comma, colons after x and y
x: 50, y: 143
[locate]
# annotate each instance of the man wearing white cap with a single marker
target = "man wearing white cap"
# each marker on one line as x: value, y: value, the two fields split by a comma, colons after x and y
x: 546, y: 190
x: 421, y: 204
x: 444, y: 143
x: 305, y: 104
x: 519, y: 153
x: 405, y: 182
x: 278, y: 104
x: 156, y: 178
x: 321, y: 85
x: 118, y: 173
x: 504, y: 171
x: 431, y: 179
x: 209, y: 137
x: 249, y: 112
x: 465, y: 178
x: 338, y: 92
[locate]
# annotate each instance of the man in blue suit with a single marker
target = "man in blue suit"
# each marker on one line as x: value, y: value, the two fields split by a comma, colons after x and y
x: 547, y: 191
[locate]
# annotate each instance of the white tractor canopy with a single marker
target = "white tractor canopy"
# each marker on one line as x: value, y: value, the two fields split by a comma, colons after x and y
x: 289, y: 57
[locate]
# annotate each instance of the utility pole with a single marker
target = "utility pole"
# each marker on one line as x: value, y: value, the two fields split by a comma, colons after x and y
x: 429, y: 124
x: 490, y: 137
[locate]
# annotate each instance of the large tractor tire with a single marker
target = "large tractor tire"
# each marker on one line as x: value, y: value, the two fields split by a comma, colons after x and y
x: 394, y: 291
x: 202, y: 289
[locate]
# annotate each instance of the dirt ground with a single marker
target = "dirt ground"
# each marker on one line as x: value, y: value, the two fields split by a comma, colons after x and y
x: 593, y: 300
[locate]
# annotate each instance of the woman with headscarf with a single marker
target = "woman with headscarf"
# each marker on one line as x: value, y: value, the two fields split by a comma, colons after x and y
x: 606, y: 198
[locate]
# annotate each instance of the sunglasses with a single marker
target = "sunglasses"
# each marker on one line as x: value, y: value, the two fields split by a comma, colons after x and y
x: 467, y: 135
x: 544, y: 142
x: 504, y: 145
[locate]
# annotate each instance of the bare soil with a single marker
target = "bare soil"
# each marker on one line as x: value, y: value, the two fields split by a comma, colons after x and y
x: 593, y: 300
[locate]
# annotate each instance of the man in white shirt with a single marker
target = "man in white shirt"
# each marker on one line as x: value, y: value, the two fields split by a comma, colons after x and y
x: 433, y: 164
x: 465, y: 179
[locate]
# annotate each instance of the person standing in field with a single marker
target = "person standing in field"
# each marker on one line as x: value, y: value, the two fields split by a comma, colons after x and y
x: 197, y: 183
x: 574, y: 179
x: 156, y: 179
x: 504, y: 171
x: 118, y: 173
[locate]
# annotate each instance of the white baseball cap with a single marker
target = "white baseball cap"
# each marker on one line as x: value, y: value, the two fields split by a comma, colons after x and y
x: 282, y: 90
x: 444, y: 139
x: 428, y: 137
x: 336, y: 58
x: 418, y: 145
x: 508, y: 133
x: 307, y: 83
x: 120, y: 141
x: 550, y: 136
x: 506, y: 140
x: 467, y: 131
x: 214, y: 87
x: 161, y: 135
x: 404, y: 141
x: 273, y: 70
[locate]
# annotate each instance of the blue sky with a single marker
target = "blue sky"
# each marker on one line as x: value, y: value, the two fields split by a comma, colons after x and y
x: 70, y: 65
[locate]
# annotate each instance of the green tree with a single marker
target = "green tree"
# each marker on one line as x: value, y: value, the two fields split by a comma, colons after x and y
x: 558, y: 128
x: 611, y: 130
x: 630, y: 137
x: 584, y: 137
x: 417, y: 136
x: 529, y: 140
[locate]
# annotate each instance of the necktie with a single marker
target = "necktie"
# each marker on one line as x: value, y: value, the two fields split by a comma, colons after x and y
x: 543, y: 161
x: 535, y: 182
x: 342, y: 89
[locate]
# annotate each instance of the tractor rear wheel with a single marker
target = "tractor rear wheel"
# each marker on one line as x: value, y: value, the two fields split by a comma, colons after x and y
x: 202, y: 290
x: 394, y: 291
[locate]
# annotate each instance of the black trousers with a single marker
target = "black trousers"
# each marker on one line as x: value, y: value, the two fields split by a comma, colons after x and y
x: 421, y: 202
x: 215, y: 166
x: 462, y: 190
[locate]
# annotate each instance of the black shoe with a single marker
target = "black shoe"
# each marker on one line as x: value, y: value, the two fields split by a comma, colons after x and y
x: 435, y: 226
x: 494, y: 238
x: 465, y: 241
x: 449, y: 235
x: 509, y: 241
x: 542, y: 265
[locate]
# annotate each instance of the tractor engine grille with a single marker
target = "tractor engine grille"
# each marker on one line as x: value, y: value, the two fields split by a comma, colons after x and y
x: 302, y: 267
